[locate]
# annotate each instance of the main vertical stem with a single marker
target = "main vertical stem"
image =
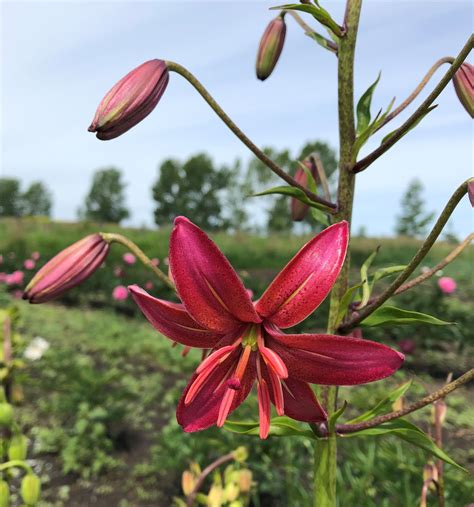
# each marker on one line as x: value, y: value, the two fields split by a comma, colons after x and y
x: 325, y: 470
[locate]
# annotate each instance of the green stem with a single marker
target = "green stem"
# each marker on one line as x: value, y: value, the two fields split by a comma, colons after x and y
x: 418, y: 114
x: 122, y: 240
x: 191, y: 78
x: 16, y: 463
x: 419, y: 256
x: 325, y: 469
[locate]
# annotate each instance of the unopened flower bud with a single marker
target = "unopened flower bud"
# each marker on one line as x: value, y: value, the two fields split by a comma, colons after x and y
x: 300, y: 209
x: 270, y: 47
x: 6, y: 415
x: 132, y: 99
x: 30, y: 489
x: 231, y: 492
x: 17, y: 447
x: 67, y: 269
x: 430, y: 472
x: 4, y: 494
x: 463, y: 82
x: 241, y: 454
x: 245, y: 480
x: 439, y: 409
x: 187, y: 482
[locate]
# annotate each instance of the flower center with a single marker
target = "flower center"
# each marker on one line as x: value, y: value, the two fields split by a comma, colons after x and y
x: 250, y: 337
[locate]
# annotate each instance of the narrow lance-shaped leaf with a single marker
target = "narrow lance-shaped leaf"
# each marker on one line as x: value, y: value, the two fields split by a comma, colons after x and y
x: 397, y: 316
x: 335, y: 416
x: 322, y: 41
x: 388, y: 136
x: 280, y: 426
x: 385, y: 272
x: 292, y: 192
x: 363, y: 106
x: 345, y: 302
x: 383, y: 405
x: 317, y: 12
x: 364, y: 276
x: 410, y: 433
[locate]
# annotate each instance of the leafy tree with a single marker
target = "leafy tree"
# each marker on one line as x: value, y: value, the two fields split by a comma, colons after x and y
x: 10, y: 197
x: 105, y: 201
x: 37, y: 200
x: 193, y: 189
x: 413, y: 219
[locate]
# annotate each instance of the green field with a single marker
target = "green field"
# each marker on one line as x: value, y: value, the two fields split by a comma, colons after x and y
x: 99, y: 406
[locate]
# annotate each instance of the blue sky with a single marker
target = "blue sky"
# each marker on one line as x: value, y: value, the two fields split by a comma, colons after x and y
x: 60, y: 58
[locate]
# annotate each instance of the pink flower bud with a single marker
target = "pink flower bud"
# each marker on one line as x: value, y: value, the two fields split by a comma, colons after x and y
x: 270, y: 47
x: 35, y: 256
x: 447, y: 285
x: 29, y: 264
x: 132, y: 99
x: 129, y: 258
x: 300, y: 209
x: 120, y: 293
x: 67, y: 269
x: 15, y: 278
x: 155, y: 262
x: 463, y: 82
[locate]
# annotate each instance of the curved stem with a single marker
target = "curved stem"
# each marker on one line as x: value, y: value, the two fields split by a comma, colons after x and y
x: 423, y: 250
x: 122, y: 240
x: 329, y: 44
x: 427, y: 400
x: 417, y: 90
x: 418, y: 114
x: 172, y: 66
x: 210, y: 468
x: 16, y: 463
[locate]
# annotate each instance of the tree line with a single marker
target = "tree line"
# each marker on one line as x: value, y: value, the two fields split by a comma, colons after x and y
x: 211, y: 194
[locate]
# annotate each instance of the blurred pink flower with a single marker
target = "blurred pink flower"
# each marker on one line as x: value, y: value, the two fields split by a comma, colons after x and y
x: 407, y: 346
x: 3, y: 277
x: 29, y: 264
x: 447, y: 285
x: 118, y: 271
x: 149, y: 285
x: 1, y: 259
x: 155, y: 262
x: 120, y: 293
x: 129, y: 258
x: 15, y: 278
x: 35, y: 256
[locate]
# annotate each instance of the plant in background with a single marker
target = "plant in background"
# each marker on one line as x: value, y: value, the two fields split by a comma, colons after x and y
x: 244, y: 337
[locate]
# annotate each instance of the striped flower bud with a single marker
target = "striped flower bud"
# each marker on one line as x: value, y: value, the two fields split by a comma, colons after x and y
x: 300, y: 209
x: 270, y: 47
x: 132, y: 99
x: 463, y: 82
x: 68, y: 269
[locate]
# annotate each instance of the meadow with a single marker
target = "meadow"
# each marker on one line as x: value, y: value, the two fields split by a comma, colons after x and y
x: 98, y: 406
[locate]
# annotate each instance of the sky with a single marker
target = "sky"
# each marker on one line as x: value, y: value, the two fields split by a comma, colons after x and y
x: 59, y: 58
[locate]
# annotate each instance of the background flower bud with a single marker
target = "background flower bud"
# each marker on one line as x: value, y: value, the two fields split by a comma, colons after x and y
x: 270, y: 47
x: 30, y: 489
x: 67, y: 269
x: 130, y: 100
x: 17, y: 447
x: 4, y: 494
x: 298, y: 208
x: 463, y: 82
x: 6, y: 415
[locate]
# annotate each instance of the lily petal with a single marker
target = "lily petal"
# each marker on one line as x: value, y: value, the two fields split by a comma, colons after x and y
x: 207, y: 284
x: 203, y: 411
x: 334, y: 360
x: 173, y: 320
x: 306, y: 280
x: 300, y: 402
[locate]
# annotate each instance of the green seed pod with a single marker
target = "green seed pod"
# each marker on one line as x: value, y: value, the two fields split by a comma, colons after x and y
x: 18, y: 447
x: 4, y: 494
x: 6, y: 415
x: 30, y: 489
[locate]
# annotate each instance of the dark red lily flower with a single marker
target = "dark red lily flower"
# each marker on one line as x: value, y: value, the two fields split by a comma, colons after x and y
x: 247, y: 344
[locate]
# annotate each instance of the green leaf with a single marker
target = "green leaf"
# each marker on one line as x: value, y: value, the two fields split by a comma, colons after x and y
x: 364, y: 276
x: 322, y: 41
x: 318, y: 13
x: 389, y: 271
x: 292, y: 192
x: 384, y: 405
x: 363, y: 107
x: 388, y: 136
x: 397, y: 316
x: 335, y: 416
x: 410, y: 433
x: 345, y: 302
x: 281, y: 426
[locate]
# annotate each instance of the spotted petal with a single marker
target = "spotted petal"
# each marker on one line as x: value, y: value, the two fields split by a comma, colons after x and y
x: 172, y: 320
x: 207, y: 284
x: 306, y: 280
x: 334, y: 360
x: 203, y: 411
